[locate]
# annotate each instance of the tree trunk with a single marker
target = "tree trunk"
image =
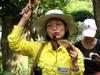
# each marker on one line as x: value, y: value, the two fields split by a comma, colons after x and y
x: 12, y: 62
x: 6, y: 53
x: 96, y: 5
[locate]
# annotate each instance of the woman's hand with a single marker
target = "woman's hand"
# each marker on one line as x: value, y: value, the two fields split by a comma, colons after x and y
x: 26, y: 14
x: 71, y: 49
x: 27, y: 10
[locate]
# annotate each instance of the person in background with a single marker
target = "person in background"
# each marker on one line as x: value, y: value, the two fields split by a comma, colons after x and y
x: 90, y: 47
x: 59, y: 56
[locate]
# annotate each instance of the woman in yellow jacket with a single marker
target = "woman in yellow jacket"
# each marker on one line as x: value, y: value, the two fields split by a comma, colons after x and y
x: 59, y: 56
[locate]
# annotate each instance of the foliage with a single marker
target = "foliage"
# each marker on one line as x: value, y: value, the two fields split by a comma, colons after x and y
x: 46, y: 5
x: 7, y: 73
x: 12, y: 7
x: 80, y: 10
x: 53, y: 4
x: 81, y: 15
x: 0, y: 64
x: 79, y: 5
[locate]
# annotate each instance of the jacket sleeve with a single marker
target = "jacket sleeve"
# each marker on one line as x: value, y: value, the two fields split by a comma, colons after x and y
x: 21, y: 45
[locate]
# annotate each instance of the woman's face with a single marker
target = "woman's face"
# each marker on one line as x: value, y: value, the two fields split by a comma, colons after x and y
x: 55, y: 28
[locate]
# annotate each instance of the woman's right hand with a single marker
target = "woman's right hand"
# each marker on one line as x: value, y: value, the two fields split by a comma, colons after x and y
x: 26, y: 14
x: 27, y: 10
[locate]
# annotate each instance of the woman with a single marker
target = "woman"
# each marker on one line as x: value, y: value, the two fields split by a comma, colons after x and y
x: 59, y: 56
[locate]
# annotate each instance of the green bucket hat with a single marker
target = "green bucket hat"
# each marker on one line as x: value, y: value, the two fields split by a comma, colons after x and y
x: 40, y: 22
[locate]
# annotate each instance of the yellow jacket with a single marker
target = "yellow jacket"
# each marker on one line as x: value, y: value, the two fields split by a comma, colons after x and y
x: 50, y: 61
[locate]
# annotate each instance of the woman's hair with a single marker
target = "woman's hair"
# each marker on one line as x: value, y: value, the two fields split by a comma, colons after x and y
x: 47, y: 38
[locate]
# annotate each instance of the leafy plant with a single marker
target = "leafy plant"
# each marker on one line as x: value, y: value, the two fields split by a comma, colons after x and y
x: 81, y: 15
x: 80, y: 10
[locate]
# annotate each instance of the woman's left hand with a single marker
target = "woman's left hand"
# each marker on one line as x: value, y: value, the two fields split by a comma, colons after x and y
x: 73, y: 55
x: 70, y: 47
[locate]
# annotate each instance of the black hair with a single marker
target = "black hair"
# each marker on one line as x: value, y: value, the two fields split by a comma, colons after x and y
x: 47, y: 38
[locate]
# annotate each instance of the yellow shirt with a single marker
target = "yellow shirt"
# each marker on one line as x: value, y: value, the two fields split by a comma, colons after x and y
x: 52, y: 62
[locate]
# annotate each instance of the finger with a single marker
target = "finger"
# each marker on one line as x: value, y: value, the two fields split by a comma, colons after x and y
x: 71, y: 52
x: 23, y: 11
x: 29, y: 1
x: 63, y: 41
x: 29, y: 4
x: 73, y: 55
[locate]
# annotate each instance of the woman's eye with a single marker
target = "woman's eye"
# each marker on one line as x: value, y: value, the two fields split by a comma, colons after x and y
x: 49, y: 25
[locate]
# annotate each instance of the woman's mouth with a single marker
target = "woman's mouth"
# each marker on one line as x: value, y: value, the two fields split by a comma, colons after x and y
x: 55, y: 33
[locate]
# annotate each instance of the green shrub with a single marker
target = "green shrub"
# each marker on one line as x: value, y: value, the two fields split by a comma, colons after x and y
x: 81, y: 15
x: 79, y: 5
x: 80, y: 10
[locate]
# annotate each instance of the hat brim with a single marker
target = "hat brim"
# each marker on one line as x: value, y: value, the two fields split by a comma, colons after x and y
x: 89, y: 33
x: 39, y: 23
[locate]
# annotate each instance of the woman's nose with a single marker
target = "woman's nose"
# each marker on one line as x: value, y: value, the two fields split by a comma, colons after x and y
x: 54, y: 26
